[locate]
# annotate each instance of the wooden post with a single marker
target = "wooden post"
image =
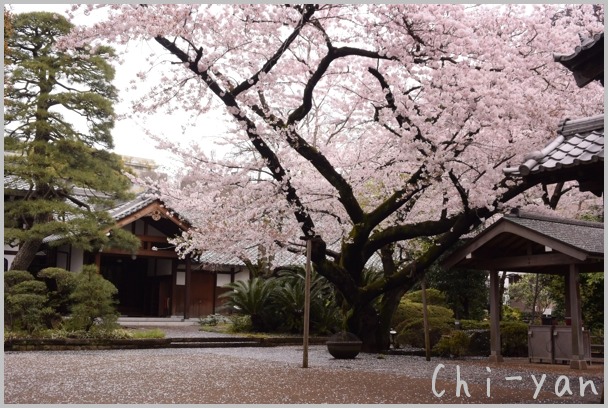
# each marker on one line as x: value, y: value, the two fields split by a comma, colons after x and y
x: 425, y: 318
x: 306, y: 304
x: 495, y: 305
x: 187, y: 288
x: 578, y: 351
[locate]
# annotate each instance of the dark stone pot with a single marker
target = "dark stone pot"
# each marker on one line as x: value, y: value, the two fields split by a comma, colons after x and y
x: 344, y: 349
x: 344, y: 345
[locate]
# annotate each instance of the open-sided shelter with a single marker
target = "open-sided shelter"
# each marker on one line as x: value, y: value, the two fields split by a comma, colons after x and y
x: 536, y: 244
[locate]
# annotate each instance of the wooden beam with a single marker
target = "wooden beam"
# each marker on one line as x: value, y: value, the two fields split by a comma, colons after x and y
x: 142, y: 252
x: 495, y: 305
x: 578, y: 350
x: 507, y: 263
x: 147, y: 211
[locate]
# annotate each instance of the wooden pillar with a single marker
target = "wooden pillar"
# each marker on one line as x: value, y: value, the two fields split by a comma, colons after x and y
x: 495, y: 305
x: 98, y: 261
x: 578, y: 351
x: 306, y: 303
x: 187, y: 288
x: 425, y: 321
x: 568, y: 301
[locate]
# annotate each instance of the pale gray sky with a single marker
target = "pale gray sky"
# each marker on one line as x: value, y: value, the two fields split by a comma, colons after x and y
x: 129, y: 135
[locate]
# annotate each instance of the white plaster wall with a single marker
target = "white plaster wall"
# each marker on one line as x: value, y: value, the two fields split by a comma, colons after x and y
x: 224, y: 278
x: 77, y: 260
x: 7, y: 256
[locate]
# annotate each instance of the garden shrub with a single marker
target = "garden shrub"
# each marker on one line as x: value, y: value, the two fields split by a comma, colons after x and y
x: 514, y: 339
x: 26, y: 311
x: 241, y: 323
x: 60, y: 284
x: 474, y: 325
x: 480, y: 342
x: 94, y: 303
x: 510, y: 314
x: 213, y: 320
x: 25, y: 302
x: 253, y: 298
x: 277, y: 303
x: 456, y: 344
x: 411, y: 332
x: 12, y: 278
x: 408, y: 310
x: 409, y: 324
x: 433, y: 297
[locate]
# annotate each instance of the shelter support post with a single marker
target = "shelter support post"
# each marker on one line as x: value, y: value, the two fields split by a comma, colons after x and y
x: 578, y: 351
x: 495, y: 305
x: 187, y: 288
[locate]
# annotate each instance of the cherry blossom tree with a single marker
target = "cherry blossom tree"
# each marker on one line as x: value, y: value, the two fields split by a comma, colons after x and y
x: 377, y: 131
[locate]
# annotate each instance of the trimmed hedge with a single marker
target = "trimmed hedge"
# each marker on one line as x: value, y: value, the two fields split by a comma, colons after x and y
x: 409, y: 324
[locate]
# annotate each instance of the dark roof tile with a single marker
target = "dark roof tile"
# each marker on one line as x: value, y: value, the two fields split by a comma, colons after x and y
x: 579, y: 142
x: 584, y: 235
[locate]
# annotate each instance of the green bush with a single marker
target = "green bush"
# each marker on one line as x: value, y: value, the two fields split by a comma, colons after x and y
x: 510, y: 314
x: 288, y: 300
x: 408, y: 311
x: 213, y: 320
x: 253, y: 298
x: 411, y: 332
x: 60, y: 284
x: 25, y: 302
x: 94, y: 304
x: 433, y: 297
x: 474, y: 325
x: 514, y: 339
x: 12, y: 278
x: 241, y: 323
x: 480, y: 342
x: 456, y: 344
x: 409, y: 324
x: 277, y: 303
x: 26, y: 311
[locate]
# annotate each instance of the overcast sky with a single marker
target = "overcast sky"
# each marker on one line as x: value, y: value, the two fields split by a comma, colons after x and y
x: 129, y: 136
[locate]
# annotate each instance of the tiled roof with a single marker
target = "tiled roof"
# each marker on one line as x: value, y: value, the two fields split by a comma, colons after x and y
x: 119, y: 212
x: 584, y: 235
x: 281, y: 258
x: 14, y: 184
x: 125, y: 209
x: 580, y: 141
x: 586, y: 62
x: 531, y: 242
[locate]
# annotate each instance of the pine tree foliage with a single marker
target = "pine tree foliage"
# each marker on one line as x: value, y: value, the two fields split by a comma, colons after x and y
x: 58, y: 121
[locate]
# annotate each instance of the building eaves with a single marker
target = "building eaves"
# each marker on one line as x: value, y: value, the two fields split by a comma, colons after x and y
x: 130, y: 207
x: 583, y: 235
x: 579, y: 142
x: 587, y: 60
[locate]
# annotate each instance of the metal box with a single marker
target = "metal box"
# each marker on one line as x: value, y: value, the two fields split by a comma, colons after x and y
x: 540, y: 344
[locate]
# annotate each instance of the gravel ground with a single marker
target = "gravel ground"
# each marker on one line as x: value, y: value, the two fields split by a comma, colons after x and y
x: 274, y: 376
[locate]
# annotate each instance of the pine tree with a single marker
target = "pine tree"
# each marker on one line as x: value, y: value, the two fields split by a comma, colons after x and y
x: 58, y: 121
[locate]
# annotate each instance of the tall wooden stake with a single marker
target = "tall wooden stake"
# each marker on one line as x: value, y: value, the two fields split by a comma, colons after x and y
x: 425, y: 319
x: 306, y: 304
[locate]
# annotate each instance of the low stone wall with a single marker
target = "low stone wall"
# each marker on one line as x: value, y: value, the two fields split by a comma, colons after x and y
x: 112, y: 344
x: 83, y: 344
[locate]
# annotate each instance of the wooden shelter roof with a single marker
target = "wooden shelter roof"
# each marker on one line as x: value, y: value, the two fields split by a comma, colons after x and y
x: 525, y: 242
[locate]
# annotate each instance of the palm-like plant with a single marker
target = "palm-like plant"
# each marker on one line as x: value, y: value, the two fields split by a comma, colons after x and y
x: 289, y: 300
x: 253, y: 298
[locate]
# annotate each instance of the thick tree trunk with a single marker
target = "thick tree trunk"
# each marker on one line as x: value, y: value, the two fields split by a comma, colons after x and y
x: 373, y: 327
x: 365, y: 323
x: 25, y: 255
